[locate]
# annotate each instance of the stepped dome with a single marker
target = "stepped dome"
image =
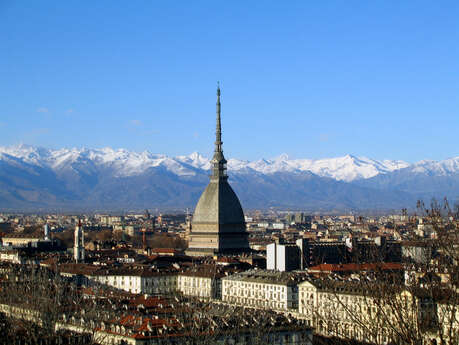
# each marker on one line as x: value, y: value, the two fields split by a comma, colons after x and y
x: 218, y: 203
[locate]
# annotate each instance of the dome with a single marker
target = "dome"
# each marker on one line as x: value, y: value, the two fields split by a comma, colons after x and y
x: 219, y: 204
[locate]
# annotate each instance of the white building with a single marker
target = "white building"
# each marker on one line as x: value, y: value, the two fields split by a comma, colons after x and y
x: 78, y: 248
x: 131, y: 279
x: 282, y: 257
x: 342, y: 311
x: 203, y: 283
x: 368, y: 313
x: 130, y: 230
x: 138, y: 280
x: 11, y: 256
x: 262, y: 289
x: 278, y: 226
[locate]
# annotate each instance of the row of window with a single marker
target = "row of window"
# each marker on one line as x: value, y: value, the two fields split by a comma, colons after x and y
x: 261, y: 286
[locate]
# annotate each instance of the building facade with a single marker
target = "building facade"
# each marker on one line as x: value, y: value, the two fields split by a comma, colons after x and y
x: 372, y: 313
x: 282, y: 257
x: 203, y: 284
x: 261, y: 289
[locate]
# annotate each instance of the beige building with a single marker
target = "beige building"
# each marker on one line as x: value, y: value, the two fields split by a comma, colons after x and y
x: 205, y: 284
x: 130, y: 279
x: 21, y: 240
x: 11, y: 256
x: 261, y: 289
x: 368, y: 313
x: 130, y: 230
x: 152, y: 283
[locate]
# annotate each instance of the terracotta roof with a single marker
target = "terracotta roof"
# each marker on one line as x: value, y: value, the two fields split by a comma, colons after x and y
x: 326, y: 268
x: 74, y: 268
x: 226, y: 259
x: 24, y: 236
x: 165, y: 250
x: 148, y: 302
x: 49, y: 261
x: 106, y: 293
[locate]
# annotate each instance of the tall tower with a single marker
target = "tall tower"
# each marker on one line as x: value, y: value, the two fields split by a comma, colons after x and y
x: 78, y: 248
x: 46, y: 231
x: 218, y: 225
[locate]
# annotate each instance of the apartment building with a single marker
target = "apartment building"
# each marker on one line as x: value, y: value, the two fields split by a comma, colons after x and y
x: 369, y: 313
x: 262, y: 289
x: 147, y: 281
x: 132, y: 279
x: 204, y: 282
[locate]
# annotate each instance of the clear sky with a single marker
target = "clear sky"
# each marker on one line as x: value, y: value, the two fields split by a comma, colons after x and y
x: 312, y: 79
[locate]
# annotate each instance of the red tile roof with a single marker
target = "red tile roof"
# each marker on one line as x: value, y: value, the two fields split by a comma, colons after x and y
x: 328, y: 268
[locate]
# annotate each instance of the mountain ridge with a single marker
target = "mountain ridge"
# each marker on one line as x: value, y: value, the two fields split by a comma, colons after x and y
x: 346, y: 168
x: 32, y: 177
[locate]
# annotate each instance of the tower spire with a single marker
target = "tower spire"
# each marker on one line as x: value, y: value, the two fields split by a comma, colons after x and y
x: 218, y: 161
x: 218, y: 132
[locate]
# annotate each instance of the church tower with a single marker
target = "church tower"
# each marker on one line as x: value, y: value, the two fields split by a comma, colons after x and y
x: 78, y: 248
x: 218, y: 225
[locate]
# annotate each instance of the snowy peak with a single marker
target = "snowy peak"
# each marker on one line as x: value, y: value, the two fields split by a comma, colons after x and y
x: 442, y: 168
x: 347, y: 168
x: 27, y: 153
x: 121, y: 162
x: 195, y: 160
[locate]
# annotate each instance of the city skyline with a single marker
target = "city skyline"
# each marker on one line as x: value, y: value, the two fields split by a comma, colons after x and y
x: 229, y: 172
x: 309, y: 80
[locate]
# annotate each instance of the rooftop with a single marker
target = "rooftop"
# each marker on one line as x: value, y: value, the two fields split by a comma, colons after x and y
x: 269, y: 277
x: 327, y: 268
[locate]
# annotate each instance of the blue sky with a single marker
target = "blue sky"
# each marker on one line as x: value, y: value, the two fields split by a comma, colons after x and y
x: 311, y: 79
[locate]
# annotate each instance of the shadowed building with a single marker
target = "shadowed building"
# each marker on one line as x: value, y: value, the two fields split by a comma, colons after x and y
x: 218, y: 225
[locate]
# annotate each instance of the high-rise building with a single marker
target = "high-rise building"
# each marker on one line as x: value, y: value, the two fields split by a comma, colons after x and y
x: 218, y: 225
x: 282, y: 257
x: 46, y: 231
x: 78, y: 248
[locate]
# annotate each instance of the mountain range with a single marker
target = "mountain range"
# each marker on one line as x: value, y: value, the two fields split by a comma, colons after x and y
x: 36, y: 178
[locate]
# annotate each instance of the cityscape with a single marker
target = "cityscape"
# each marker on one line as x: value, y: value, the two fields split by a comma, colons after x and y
x: 118, y: 245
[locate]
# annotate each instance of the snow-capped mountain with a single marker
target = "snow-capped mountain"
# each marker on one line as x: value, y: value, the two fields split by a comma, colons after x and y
x: 347, y: 168
x: 35, y: 177
x: 443, y: 168
x: 195, y: 160
x: 120, y: 162
x: 128, y: 163
x: 432, y: 178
